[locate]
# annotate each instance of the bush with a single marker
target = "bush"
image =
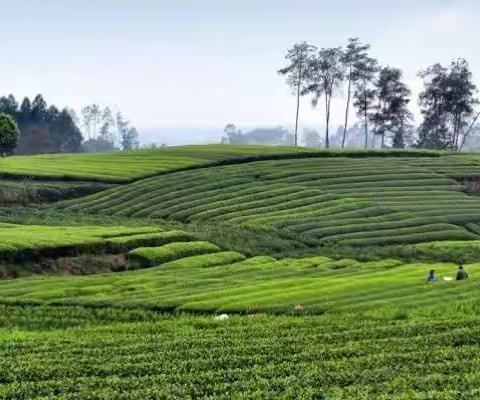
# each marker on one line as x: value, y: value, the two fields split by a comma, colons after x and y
x: 172, y: 251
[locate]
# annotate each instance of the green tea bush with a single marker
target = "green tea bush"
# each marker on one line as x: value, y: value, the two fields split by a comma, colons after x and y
x: 172, y: 251
x: 207, y: 260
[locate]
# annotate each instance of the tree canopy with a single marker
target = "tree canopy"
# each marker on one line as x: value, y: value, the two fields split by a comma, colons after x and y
x: 8, y: 134
x: 43, y: 128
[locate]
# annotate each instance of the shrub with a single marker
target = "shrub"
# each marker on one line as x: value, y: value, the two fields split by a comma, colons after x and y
x: 172, y: 251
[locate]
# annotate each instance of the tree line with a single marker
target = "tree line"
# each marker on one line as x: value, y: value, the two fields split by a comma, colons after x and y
x: 265, y: 136
x: 106, y: 130
x: 34, y: 127
x: 380, y: 97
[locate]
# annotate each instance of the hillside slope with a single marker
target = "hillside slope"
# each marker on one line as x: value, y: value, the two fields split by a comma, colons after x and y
x: 205, y: 279
x: 131, y: 165
x: 318, y: 326
x: 342, y: 201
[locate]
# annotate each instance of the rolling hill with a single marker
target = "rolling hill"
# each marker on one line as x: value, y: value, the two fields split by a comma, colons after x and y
x: 334, y: 303
x: 322, y: 201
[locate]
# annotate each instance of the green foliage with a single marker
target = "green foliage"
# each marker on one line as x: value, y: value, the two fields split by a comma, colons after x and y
x: 446, y: 117
x: 172, y: 251
x: 22, y: 242
x: 43, y: 129
x: 74, y: 352
x: 28, y: 191
x: 8, y: 135
x: 207, y: 260
x: 391, y: 114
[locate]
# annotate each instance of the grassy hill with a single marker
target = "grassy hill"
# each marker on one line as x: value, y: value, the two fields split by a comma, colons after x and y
x: 200, y: 277
x: 379, y: 332
x: 322, y: 201
x: 127, y: 166
x: 319, y: 259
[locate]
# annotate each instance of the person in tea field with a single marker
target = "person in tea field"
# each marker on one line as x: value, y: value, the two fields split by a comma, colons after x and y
x: 461, y: 273
x: 431, y: 276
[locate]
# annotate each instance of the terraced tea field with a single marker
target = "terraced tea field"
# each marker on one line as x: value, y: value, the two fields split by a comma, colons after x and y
x: 380, y: 332
x: 343, y: 201
x: 200, y: 277
x: 333, y: 303
x: 126, y: 166
x: 29, y: 241
x: 79, y: 353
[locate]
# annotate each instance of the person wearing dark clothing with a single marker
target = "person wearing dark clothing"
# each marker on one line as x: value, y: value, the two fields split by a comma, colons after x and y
x: 461, y: 274
x: 431, y: 276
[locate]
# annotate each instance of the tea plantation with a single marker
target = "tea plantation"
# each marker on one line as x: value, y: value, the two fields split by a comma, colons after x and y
x: 247, y: 273
x: 341, y: 201
x: 125, y: 166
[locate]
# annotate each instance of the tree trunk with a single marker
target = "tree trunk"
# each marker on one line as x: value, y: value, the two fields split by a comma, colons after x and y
x: 348, y: 107
x: 383, y: 140
x: 298, y: 109
x: 468, y: 131
x: 366, y: 131
x: 327, y: 116
x: 365, y: 113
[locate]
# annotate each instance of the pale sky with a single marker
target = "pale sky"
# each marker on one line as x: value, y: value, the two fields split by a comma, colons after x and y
x: 204, y: 63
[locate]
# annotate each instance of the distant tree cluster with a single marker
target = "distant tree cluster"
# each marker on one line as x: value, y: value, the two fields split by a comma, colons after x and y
x: 42, y: 128
x: 268, y: 136
x: 381, y: 98
x: 106, y: 130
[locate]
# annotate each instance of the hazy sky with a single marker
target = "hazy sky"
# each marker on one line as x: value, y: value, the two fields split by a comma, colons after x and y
x: 208, y: 62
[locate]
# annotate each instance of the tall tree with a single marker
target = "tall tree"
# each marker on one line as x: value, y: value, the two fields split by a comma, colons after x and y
x: 354, y: 59
x: 464, y: 101
x: 448, y: 104
x: 9, y: 134
x: 107, y: 124
x: 232, y: 134
x: 96, y: 115
x: 24, y: 112
x: 128, y: 134
x: 39, y: 113
x: 130, y: 139
x: 9, y: 105
x: 326, y: 72
x: 364, y: 92
x: 87, y: 120
x: 65, y: 137
x: 297, y: 72
x: 391, y: 113
x: 91, y: 115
